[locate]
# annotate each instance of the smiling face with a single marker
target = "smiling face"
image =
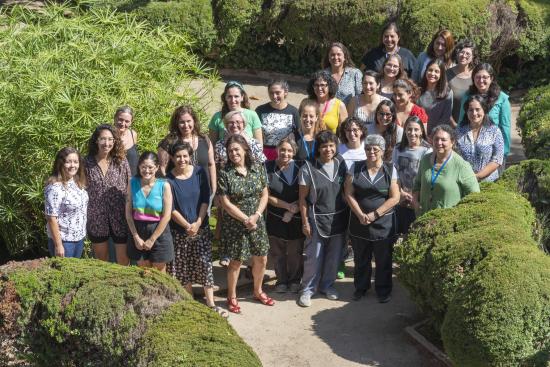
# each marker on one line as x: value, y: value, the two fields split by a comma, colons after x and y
x: 414, y: 134
x: 71, y: 165
x: 148, y: 169
x: 440, y: 46
x: 182, y: 159
x: 370, y: 86
x: 391, y: 68
x: 123, y: 122
x: 433, y: 73
x: 186, y: 124
x: 327, y: 151
x: 374, y: 153
x: 233, y: 98
x: 442, y: 143
x: 390, y: 39
x: 105, y: 142
x: 384, y: 116
x: 482, y: 81
x: 465, y: 56
x: 309, y: 117
x: 236, y: 154
x: 235, y: 125
x: 320, y: 86
x: 277, y: 95
x: 475, y: 113
x: 285, y: 153
x: 336, y: 57
x: 353, y: 133
x: 401, y: 97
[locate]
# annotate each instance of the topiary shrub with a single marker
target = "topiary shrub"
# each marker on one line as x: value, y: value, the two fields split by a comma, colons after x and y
x: 61, y: 74
x: 534, y: 123
x: 66, y: 312
x: 500, y: 316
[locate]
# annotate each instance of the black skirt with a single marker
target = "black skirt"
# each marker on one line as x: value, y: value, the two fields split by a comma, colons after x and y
x: 163, y: 249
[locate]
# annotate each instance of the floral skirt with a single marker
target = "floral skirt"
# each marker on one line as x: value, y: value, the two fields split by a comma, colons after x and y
x: 193, y: 258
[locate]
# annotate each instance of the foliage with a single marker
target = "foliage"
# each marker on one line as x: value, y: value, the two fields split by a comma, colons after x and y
x: 534, y: 123
x: 60, y: 76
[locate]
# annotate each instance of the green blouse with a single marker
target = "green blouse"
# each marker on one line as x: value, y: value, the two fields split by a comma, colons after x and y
x: 252, y: 123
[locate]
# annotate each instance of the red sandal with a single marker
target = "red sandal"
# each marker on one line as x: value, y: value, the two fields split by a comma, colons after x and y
x: 233, y: 305
x: 265, y: 299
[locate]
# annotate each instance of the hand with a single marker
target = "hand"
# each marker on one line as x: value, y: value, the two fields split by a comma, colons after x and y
x: 250, y: 223
x: 406, y: 198
x: 193, y: 229
x: 293, y: 208
x: 287, y: 217
x: 59, y: 251
x: 147, y: 245
x: 139, y: 243
x: 415, y: 204
x: 371, y: 217
x: 306, y: 229
x: 364, y: 219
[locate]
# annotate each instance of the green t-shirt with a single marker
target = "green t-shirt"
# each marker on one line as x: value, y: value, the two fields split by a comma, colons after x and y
x: 252, y: 123
x: 456, y: 180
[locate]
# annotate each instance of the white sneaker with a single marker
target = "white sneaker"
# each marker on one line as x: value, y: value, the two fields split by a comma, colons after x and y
x: 332, y: 294
x: 304, y: 300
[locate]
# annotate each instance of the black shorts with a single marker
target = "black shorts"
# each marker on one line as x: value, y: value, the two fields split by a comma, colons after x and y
x: 161, y: 252
x: 100, y: 239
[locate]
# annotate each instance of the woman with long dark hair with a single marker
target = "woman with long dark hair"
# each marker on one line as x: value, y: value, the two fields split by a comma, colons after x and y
x: 363, y: 106
x: 436, y: 98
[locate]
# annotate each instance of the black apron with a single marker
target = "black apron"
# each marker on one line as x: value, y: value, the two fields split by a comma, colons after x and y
x: 287, y: 191
x: 330, y: 211
x: 370, y: 195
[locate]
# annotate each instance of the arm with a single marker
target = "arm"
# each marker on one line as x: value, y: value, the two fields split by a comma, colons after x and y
x: 447, y: 113
x: 358, y: 82
x: 279, y: 203
x: 164, y: 157
x: 54, y: 230
x: 351, y: 106
x: 213, y: 126
x: 392, y: 200
x: 353, y: 204
x: 467, y: 180
x: 505, y: 125
x: 258, y: 135
x: 256, y: 126
x: 487, y: 170
x: 195, y: 226
x: 497, y: 157
x: 251, y: 221
x: 343, y: 113
x: 303, y: 192
x: 165, y: 218
x: 212, y: 167
x: 130, y: 220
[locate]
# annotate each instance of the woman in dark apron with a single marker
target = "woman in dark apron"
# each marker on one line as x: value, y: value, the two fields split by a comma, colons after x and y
x: 325, y: 217
x: 372, y: 193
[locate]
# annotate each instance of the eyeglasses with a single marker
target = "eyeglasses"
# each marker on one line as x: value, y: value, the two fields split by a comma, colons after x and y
x: 465, y: 53
x: 385, y: 114
x: 482, y: 77
x: 235, y: 123
x: 353, y: 131
x: 373, y: 149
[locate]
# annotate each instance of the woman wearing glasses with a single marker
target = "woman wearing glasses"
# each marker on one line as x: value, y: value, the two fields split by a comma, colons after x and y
x: 386, y: 126
x: 322, y: 88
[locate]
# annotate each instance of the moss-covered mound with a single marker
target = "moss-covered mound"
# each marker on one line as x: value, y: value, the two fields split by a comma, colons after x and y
x: 534, y: 123
x: 70, y: 312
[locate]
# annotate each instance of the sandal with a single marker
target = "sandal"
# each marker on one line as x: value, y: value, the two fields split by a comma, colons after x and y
x: 224, y: 262
x: 220, y: 311
x: 233, y: 305
x: 265, y: 299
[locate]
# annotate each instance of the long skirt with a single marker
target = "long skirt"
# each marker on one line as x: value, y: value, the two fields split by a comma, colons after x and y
x: 193, y: 258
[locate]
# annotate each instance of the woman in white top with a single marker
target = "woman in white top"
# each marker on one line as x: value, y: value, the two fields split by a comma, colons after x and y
x: 352, y: 134
x: 363, y: 106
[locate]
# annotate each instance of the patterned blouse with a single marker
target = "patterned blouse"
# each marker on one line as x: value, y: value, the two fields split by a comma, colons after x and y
x: 489, y: 147
x: 69, y: 203
x: 350, y: 84
x: 362, y: 115
x: 220, y: 153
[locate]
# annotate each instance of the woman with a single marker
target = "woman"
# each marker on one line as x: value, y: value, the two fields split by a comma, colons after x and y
x: 279, y: 119
x: 404, y: 95
x: 389, y: 45
x: 459, y: 76
x: 108, y: 174
x: 185, y: 128
x: 283, y: 222
x: 189, y: 226
x: 387, y: 126
x: 148, y: 212
x: 324, y: 216
x: 363, y: 106
x: 436, y: 98
x: 66, y: 204
x: 443, y: 178
x: 406, y: 159
x: 479, y: 141
x: 500, y: 110
x: 124, y: 116
x: 392, y: 70
x: 440, y: 48
x: 242, y: 188
x: 309, y: 127
x: 322, y: 88
x: 339, y: 64
x: 235, y: 124
x: 372, y: 193
x: 235, y: 98
x: 352, y: 135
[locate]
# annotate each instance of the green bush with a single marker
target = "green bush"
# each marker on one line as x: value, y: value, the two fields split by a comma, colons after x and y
x: 534, y: 123
x: 500, y: 316
x: 66, y: 312
x: 60, y: 76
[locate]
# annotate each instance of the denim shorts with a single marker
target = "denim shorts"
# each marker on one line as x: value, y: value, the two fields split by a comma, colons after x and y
x: 72, y: 248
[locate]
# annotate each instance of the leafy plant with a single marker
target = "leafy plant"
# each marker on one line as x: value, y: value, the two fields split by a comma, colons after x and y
x: 534, y: 123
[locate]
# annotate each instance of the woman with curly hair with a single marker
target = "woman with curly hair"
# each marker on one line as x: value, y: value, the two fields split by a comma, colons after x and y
x: 338, y: 63
x: 322, y: 88
x: 108, y: 174
x: 459, y: 76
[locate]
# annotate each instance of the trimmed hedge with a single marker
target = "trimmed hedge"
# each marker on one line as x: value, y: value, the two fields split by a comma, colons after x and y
x: 65, y: 312
x: 534, y: 123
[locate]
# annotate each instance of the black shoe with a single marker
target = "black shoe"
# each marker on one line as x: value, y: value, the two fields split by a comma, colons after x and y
x: 384, y: 299
x: 358, y: 294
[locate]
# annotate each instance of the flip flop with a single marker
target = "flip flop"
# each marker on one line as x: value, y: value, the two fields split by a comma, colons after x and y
x: 233, y: 305
x: 265, y: 299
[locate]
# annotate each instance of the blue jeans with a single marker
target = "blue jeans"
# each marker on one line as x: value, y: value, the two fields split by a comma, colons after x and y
x: 321, y: 259
x: 72, y: 249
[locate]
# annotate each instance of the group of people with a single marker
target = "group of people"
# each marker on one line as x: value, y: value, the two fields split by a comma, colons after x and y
x: 354, y: 165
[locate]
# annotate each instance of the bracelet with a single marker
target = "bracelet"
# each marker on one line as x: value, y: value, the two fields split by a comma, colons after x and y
x: 259, y: 214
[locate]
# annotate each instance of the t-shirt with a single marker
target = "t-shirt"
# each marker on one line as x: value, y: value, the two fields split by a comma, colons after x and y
x: 252, y: 123
x: 277, y: 124
x: 374, y: 59
x: 352, y: 155
x: 438, y: 110
x: 407, y: 162
x: 189, y: 195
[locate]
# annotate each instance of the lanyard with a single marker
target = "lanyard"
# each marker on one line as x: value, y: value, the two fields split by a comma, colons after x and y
x: 306, y: 147
x: 435, y: 174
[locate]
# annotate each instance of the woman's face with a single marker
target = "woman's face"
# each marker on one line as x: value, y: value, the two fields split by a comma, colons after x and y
x: 186, y: 124
x: 71, y: 165
x: 235, y: 125
x: 370, y: 86
x: 440, y: 46
x: 482, y: 81
x: 336, y: 57
x: 475, y: 113
x: 123, y: 121
x: 442, y: 143
x: 414, y: 134
x: 465, y: 56
x: 327, y: 151
x: 374, y: 153
x: 233, y: 98
x: 148, y: 169
x: 182, y: 159
x: 390, y: 39
x: 236, y: 154
x: 354, y: 133
x: 433, y: 73
x: 277, y: 94
x: 285, y: 153
x: 401, y: 97
x: 105, y: 141
x: 391, y: 68
x: 320, y: 86
x: 384, y: 116
x: 309, y: 117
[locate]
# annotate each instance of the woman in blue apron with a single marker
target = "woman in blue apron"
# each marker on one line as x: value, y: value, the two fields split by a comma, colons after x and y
x: 325, y: 217
x: 372, y: 193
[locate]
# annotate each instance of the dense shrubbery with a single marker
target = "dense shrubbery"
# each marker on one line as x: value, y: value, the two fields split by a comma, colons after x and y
x: 60, y: 76
x: 534, y: 122
x: 66, y: 312
x: 463, y: 268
